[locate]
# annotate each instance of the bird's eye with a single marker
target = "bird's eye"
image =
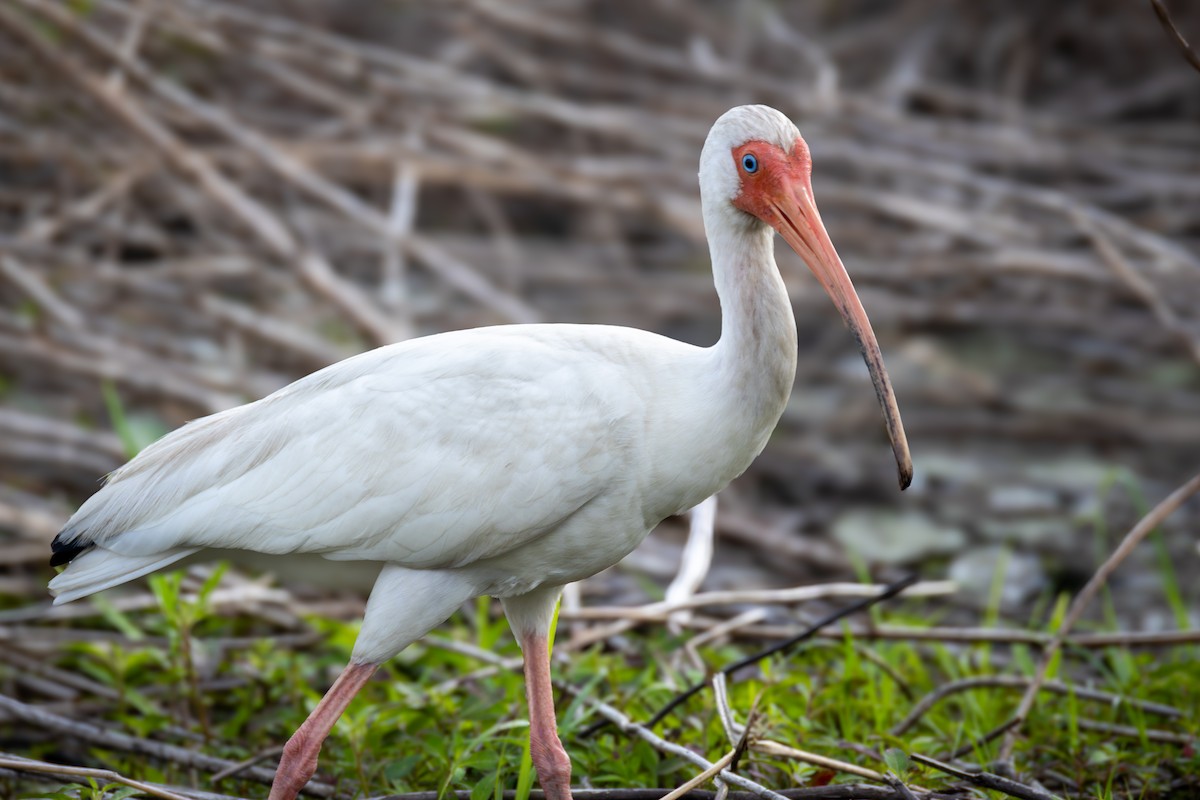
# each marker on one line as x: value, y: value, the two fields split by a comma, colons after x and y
x: 750, y: 163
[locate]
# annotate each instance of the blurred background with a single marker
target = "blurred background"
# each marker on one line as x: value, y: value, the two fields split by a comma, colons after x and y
x: 202, y: 201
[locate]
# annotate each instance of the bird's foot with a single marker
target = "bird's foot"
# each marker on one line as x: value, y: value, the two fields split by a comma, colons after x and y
x: 553, y: 765
x: 296, y: 765
x: 299, y: 759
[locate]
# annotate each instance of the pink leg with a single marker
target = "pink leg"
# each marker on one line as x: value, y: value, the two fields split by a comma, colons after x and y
x: 299, y: 760
x: 551, y: 761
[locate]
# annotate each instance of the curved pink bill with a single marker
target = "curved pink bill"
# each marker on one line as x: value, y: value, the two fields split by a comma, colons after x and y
x: 800, y: 225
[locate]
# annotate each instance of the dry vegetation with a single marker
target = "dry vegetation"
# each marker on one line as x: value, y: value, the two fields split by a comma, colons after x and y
x: 200, y: 201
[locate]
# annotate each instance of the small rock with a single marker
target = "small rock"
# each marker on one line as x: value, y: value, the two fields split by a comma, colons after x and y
x: 1017, y: 500
x: 951, y: 468
x: 1028, y: 532
x: 975, y: 572
x: 888, y: 537
x: 1079, y: 474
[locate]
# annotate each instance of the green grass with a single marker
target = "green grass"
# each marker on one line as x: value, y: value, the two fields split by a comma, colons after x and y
x: 428, y: 724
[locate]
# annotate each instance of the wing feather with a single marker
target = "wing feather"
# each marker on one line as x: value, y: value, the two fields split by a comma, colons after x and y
x: 430, y: 453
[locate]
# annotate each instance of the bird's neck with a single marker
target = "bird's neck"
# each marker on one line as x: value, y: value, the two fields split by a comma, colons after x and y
x: 756, y: 354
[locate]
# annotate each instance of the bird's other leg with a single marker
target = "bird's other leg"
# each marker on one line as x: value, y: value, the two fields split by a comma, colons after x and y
x: 549, y: 756
x: 530, y: 616
x: 405, y: 605
x: 299, y: 760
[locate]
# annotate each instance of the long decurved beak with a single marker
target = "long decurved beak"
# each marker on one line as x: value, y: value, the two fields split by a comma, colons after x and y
x: 799, y: 223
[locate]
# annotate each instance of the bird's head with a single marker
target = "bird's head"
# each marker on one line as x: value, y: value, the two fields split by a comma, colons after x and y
x: 756, y: 170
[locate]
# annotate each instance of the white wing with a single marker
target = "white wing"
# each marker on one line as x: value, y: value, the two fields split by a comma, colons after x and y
x: 434, y: 452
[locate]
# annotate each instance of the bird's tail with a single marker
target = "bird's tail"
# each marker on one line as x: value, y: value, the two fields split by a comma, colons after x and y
x: 98, y: 568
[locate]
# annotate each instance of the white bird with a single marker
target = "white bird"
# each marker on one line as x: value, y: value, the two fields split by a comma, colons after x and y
x: 504, y: 461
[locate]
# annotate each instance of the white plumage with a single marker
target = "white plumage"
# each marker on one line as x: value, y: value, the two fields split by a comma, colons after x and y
x: 506, y: 461
x: 446, y: 451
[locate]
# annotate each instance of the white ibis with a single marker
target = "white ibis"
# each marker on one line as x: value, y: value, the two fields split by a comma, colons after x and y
x: 504, y: 461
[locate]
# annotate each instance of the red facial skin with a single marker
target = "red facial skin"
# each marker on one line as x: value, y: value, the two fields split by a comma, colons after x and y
x: 776, y: 170
x: 780, y: 194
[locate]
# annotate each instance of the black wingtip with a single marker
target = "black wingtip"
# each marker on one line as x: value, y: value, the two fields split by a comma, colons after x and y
x: 62, y: 552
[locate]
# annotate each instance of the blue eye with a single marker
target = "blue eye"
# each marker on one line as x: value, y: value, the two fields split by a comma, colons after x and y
x: 750, y: 163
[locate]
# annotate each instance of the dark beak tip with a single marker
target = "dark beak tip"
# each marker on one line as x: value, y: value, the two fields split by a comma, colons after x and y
x: 906, y: 475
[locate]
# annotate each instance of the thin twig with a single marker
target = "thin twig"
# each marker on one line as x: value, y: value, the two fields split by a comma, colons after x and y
x: 842, y: 791
x: 611, y: 715
x: 836, y: 764
x: 1138, y: 284
x: 1131, y: 732
x: 718, y: 766
x: 625, y: 725
x: 660, y: 611
x: 900, y: 786
x: 103, y: 775
x: 1168, y: 24
x: 887, y: 593
x: 1020, y: 682
x: 987, y: 780
x: 116, y: 740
